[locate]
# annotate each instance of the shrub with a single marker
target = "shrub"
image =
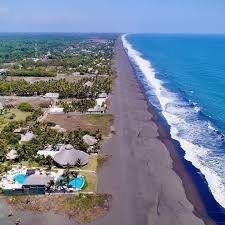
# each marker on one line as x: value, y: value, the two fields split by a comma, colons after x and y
x: 25, y: 107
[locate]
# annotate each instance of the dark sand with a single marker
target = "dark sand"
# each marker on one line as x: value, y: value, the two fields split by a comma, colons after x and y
x: 140, y: 175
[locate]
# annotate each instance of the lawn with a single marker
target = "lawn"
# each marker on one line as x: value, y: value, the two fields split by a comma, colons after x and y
x: 90, y: 182
x: 12, y: 115
x: 85, y: 122
x: 92, y: 164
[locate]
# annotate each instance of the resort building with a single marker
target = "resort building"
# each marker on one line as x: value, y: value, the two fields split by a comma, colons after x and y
x: 102, y: 95
x: 50, y: 95
x: 68, y: 156
x: 29, y: 136
x: 96, y: 110
x: 12, y: 155
x: 89, y: 140
x: 50, y: 150
x: 36, y: 183
x: 56, y: 110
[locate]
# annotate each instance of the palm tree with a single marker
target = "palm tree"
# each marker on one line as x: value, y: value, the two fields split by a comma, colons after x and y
x: 67, y: 173
x: 78, y: 163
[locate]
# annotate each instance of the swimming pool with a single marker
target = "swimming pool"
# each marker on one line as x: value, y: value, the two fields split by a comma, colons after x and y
x: 20, y: 178
x: 77, y: 183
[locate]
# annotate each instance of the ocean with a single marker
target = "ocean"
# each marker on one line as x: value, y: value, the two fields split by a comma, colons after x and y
x: 184, y: 79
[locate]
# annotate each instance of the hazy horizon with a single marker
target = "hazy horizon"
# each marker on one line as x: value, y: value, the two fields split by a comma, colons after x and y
x: 100, y: 16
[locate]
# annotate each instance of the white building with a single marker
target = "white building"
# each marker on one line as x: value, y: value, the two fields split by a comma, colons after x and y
x: 51, y: 95
x: 56, y: 110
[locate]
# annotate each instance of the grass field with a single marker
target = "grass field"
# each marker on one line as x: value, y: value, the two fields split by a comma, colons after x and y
x: 12, y: 115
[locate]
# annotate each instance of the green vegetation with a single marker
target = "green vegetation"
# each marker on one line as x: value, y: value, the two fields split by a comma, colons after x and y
x: 65, y: 88
x: 30, y: 73
x: 45, y: 136
x: 25, y: 107
x: 64, y: 53
x: 12, y: 115
x: 80, y: 105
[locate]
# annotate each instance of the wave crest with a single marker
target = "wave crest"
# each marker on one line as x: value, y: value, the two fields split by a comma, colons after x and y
x: 185, y: 127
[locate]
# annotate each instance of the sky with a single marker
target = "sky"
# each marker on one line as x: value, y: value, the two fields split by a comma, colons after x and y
x: 145, y: 16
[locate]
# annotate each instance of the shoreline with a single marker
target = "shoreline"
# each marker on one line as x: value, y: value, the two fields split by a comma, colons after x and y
x: 179, y: 168
x: 145, y: 162
x: 192, y: 179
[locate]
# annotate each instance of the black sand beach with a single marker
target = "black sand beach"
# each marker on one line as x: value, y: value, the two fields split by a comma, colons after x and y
x: 141, y: 173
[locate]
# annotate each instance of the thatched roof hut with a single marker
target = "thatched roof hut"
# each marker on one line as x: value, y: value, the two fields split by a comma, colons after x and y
x: 89, y: 140
x: 69, y: 156
x: 12, y: 155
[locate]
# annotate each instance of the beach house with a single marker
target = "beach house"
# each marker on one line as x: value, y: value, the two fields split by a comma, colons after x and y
x: 68, y: 156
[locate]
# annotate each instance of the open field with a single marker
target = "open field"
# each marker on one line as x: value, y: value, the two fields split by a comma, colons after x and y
x: 12, y: 115
x: 16, y: 100
x: 85, y: 122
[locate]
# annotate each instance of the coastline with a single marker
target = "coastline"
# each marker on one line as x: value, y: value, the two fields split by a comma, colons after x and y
x: 140, y: 186
x: 194, y: 182
x: 179, y: 168
x: 180, y: 202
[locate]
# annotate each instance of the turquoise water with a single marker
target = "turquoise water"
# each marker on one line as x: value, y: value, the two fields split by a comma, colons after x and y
x: 20, y: 178
x: 184, y: 78
x: 77, y: 183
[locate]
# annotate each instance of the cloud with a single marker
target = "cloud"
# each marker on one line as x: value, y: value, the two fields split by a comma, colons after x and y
x: 3, y: 11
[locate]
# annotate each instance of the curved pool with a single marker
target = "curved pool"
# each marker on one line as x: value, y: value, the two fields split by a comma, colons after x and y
x: 20, y: 178
x: 77, y: 183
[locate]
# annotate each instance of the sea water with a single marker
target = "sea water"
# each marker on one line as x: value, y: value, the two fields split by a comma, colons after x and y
x: 184, y: 78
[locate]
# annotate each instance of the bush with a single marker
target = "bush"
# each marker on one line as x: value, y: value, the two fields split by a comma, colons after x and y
x: 25, y: 107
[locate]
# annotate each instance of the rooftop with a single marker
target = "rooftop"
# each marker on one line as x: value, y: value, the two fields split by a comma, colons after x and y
x: 90, y: 140
x: 37, y: 179
x: 12, y: 155
x: 68, y: 155
x: 51, y: 95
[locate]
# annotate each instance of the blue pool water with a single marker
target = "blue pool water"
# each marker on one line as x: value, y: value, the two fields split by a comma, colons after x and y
x: 20, y: 178
x: 184, y: 78
x: 77, y: 183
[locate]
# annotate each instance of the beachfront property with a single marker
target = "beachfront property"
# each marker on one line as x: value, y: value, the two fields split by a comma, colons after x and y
x: 21, y: 180
x: 90, y: 141
x: 69, y: 156
x: 96, y: 110
x: 28, y: 181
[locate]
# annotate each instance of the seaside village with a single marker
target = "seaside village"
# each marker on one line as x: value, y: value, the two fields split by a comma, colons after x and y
x: 53, y: 118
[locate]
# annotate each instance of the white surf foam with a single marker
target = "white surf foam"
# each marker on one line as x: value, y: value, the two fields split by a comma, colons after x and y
x: 187, y: 132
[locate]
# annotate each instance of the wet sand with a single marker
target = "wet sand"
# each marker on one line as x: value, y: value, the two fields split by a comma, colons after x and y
x: 141, y: 174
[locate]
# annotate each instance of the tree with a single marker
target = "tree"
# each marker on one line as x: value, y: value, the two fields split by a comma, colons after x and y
x: 78, y: 163
x: 25, y: 107
x: 67, y: 174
